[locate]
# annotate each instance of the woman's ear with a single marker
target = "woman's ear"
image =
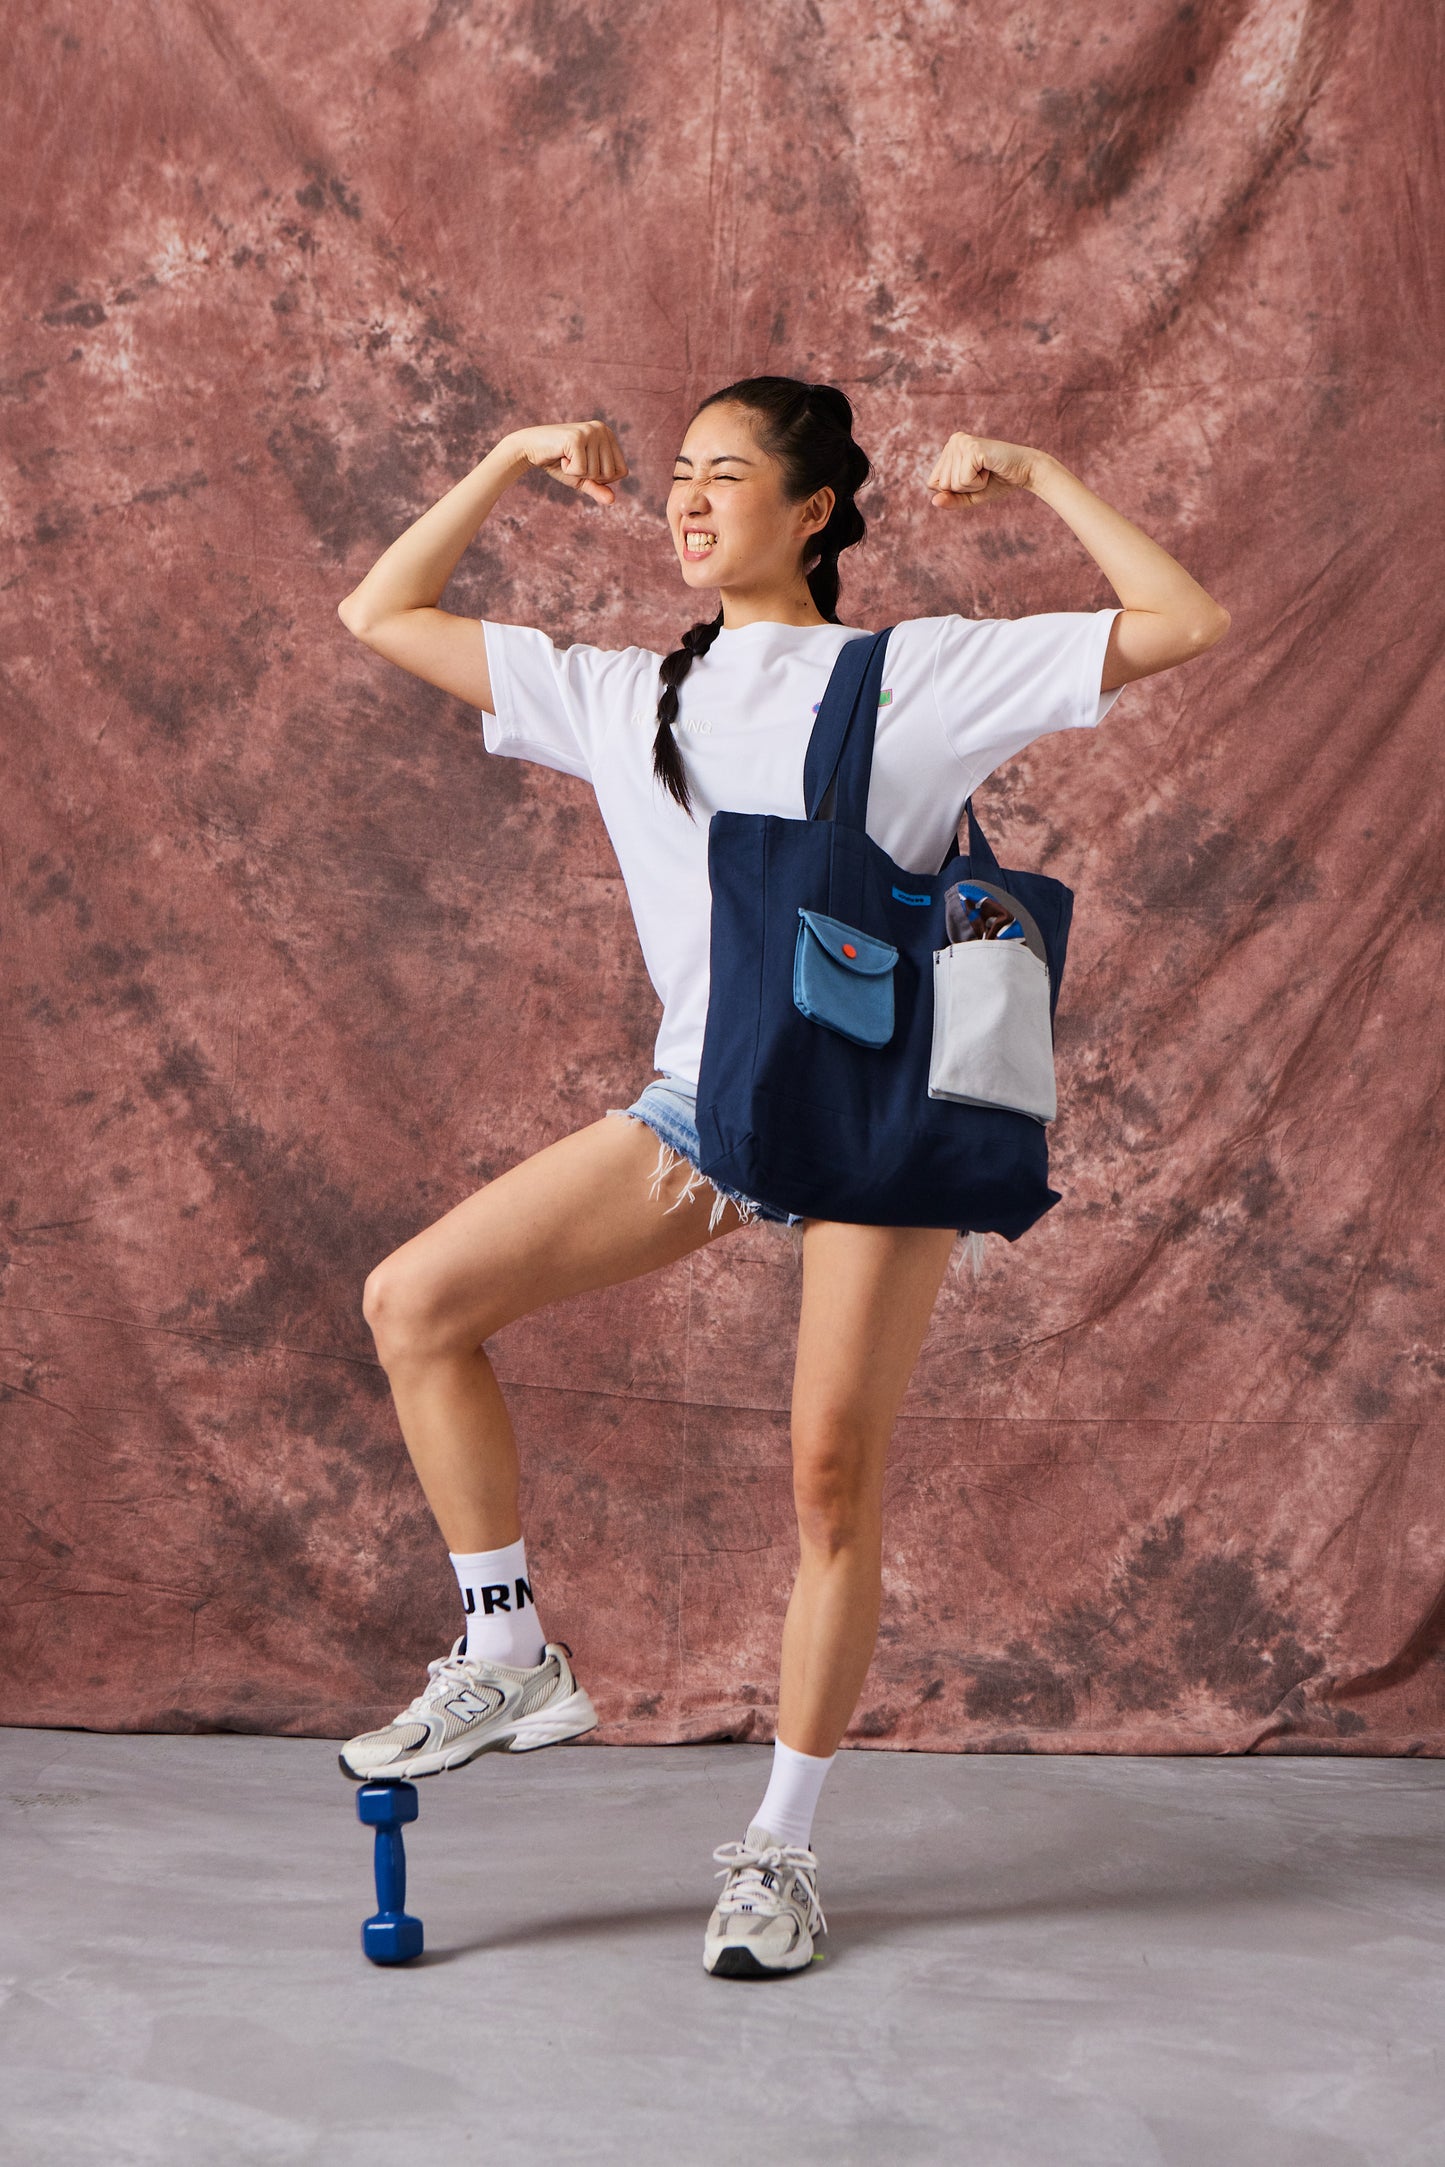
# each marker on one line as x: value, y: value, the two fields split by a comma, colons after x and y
x: 819, y: 508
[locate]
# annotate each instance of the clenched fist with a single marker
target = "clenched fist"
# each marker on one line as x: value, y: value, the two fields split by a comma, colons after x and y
x: 971, y: 469
x: 583, y: 454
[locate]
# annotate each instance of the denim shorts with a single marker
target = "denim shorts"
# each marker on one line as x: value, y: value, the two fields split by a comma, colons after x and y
x: 668, y: 1106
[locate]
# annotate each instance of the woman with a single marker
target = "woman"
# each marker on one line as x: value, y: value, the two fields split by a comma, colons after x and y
x: 761, y: 507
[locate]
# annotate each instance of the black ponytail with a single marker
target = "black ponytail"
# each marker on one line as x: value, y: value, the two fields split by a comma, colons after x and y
x: 808, y: 429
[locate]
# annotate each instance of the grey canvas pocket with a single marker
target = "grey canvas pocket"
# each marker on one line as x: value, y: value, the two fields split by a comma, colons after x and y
x: 993, y: 1040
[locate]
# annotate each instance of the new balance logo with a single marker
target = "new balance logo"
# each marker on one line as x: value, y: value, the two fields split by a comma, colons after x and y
x: 498, y: 1596
x: 469, y: 1705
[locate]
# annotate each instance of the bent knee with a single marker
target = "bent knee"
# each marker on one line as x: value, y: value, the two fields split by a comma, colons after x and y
x: 837, y: 1488
x: 413, y: 1312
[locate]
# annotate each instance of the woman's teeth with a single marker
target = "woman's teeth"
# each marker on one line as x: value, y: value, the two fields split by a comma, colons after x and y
x: 698, y: 545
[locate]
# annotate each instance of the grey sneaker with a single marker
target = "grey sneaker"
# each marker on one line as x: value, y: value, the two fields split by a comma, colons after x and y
x: 471, y: 1707
x: 768, y: 1912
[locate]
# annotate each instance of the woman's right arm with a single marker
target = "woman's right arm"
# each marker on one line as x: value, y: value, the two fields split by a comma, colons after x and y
x: 394, y: 609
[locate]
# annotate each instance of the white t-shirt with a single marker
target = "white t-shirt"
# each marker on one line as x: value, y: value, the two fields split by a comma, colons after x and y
x: 959, y: 696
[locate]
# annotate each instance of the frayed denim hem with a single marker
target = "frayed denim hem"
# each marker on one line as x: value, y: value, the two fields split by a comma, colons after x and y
x: 967, y: 1251
x: 668, y: 1156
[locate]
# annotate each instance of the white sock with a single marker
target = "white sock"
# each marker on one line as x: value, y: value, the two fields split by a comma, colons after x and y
x: 791, y: 1798
x: 497, y: 1597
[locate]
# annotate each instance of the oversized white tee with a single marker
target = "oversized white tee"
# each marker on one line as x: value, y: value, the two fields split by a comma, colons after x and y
x: 959, y: 696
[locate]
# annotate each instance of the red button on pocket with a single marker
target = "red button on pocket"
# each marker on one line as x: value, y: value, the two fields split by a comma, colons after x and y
x: 849, y: 949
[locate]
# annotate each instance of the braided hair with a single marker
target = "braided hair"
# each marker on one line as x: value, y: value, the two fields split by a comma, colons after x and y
x: 808, y: 429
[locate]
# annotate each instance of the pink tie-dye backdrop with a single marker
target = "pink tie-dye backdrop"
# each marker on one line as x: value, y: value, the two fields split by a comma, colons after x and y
x: 293, y: 964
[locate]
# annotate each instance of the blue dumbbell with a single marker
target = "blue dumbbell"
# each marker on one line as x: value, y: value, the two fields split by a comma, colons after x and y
x: 393, y: 1936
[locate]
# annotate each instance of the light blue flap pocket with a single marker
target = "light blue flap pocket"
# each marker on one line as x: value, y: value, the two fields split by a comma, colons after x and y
x: 844, y: 979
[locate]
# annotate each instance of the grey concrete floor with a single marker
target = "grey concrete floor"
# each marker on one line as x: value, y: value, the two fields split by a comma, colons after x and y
x: 1033, y: 1961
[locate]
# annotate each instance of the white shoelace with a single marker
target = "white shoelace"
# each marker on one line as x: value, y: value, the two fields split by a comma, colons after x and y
x: 444, y: 1674
x: 750, y: 1862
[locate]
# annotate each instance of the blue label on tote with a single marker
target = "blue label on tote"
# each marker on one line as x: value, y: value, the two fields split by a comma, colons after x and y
x: 904, y: 897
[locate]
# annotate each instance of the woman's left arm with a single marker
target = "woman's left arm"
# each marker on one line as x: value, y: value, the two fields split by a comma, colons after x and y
x: 1166, y: 618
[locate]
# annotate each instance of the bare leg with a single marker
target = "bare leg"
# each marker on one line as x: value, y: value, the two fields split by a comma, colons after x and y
x: 868, y: 1293
x: 574, y: 1216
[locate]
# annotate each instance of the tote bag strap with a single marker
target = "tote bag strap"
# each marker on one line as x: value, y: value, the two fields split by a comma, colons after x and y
x: 840, y: 751
x: 840, y: 756
x: 980, y: 851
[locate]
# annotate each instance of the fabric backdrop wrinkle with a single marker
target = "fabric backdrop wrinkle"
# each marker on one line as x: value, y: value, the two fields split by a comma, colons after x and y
x: 293, y: 965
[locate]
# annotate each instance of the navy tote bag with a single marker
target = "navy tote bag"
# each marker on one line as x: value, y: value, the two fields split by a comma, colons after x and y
x: 813, y: 1089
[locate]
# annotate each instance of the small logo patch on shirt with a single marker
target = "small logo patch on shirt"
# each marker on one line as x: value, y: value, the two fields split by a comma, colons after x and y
x: 883, y: 699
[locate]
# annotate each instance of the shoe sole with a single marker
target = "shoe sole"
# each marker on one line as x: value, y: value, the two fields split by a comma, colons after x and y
x: 548, y: 1726
x: 735, y: 1962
